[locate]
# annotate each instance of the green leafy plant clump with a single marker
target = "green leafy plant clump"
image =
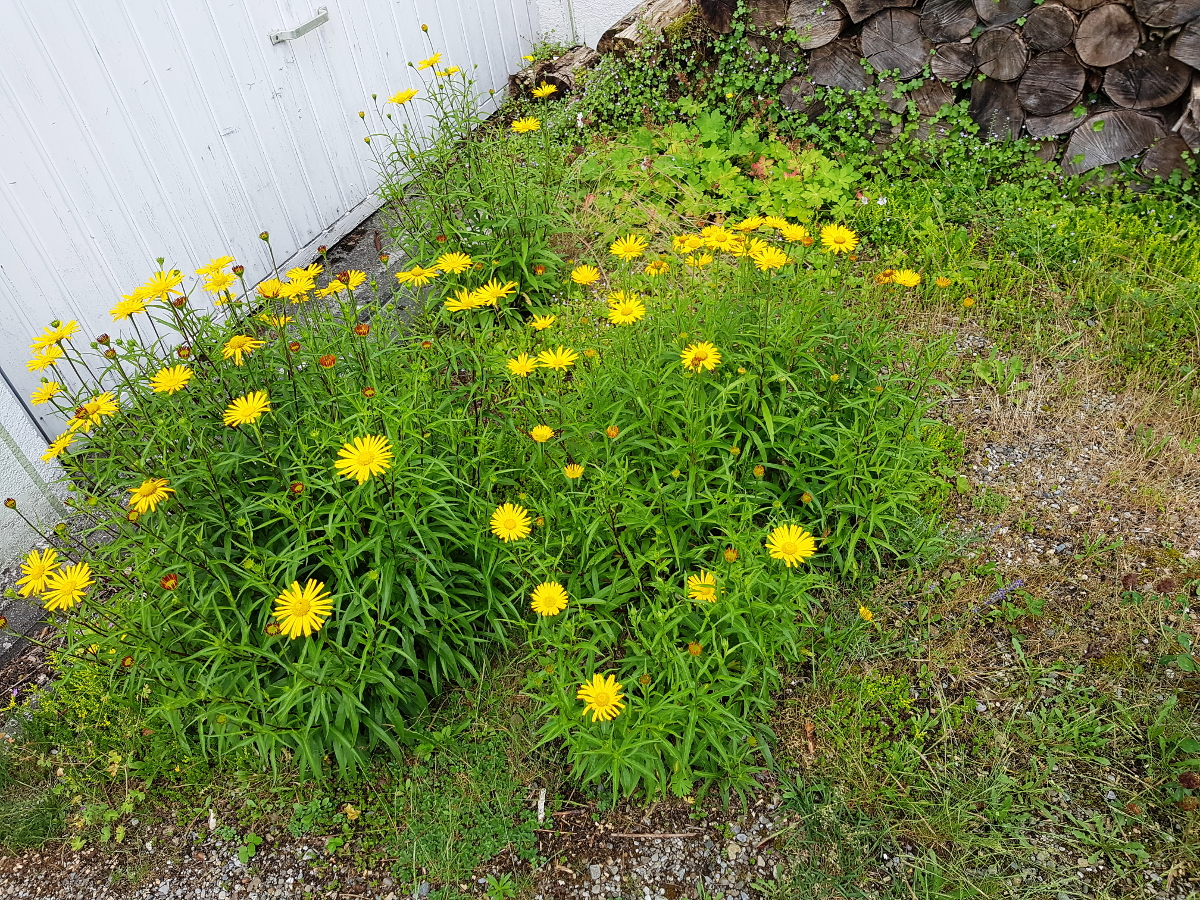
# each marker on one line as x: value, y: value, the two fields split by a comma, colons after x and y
x: 318, y: 512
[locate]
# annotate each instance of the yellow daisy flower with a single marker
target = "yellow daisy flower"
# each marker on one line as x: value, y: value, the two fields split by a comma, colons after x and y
x: 751, y: 224
x: 906, y: 278
x: 67, y: 586
x: 658, y: 267
x: 161, y: 285
x: 453, y: 263
x: 247, y: 409
x: 601, y: 697
x: 573, y: 471
x: 838, y: 239
x: 585, y: 274
x: 698, y: 260
x: 93, y: 411
x: 942, y: 281
x: 522, y: 366
x: 214, y: 266
x: 417, y: 276
x: 462, y: 300
x: 561, y: 359
x: 544, y: 90
x: 171, y: 379
x: 510, y: 522
x: 364, y: 457
x: 703, y: 587
x: 629, y: 247
x: 792, y: 544
x: 701, y: 356
x: 687, y: 243
x: 402, y: 97
x: 303, y: 610
x: 626, y: 311
x: 767, y: 258
x: 526, y: 125
x: 542, y: 433
x: 45, y: 359
x: 776, y: 222
x: 52, y: 335
x: 218, y: 283
x: 429, y: 63
x: 540, y: 323
x: 47, y: 392
x: 146, y: 496
x: 548, y: 599
x: 238, y: 345
x: 36, y: 568
x: 794, y: 234
x: 492, y: 292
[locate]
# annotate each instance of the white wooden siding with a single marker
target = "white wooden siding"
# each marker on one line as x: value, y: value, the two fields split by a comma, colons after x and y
x: 137, y: 129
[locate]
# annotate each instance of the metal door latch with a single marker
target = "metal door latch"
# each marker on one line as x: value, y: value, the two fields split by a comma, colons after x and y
x: 278, y: 37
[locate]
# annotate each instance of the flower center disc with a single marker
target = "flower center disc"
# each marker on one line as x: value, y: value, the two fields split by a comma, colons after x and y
x: 510, y: 524
x: 788, y: 548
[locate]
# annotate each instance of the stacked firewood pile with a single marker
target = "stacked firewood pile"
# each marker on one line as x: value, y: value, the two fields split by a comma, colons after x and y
x: 1095, y: 81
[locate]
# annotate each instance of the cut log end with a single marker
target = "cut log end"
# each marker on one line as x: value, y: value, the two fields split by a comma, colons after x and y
x: 892, y: 40
x: 1110, y: 137
x: 1106, y: 35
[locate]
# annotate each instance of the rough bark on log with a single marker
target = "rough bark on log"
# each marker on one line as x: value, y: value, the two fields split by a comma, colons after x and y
x: 953, y: 62
x: 718, y: 14
x: 768, y: 13
x: 1085, y: 5
x: 1165, y: 157
x: 1186, y: 46
x: 1001, y: 53
x: 1124, y: 133
x: 1053, y: 82
x: 1049, y: 27
x: 561, y: 73
x: 604, y: 45
x: 837, y: 65
x: 1146, y: 80
x: 1002, y: 12
x: 1106, y: 35
x: 648, y: 23
x: 1054, y: 126
x: 816, y: 22
x: 858, y: 10
x: 797, y: 93
x: 947, y: 20
x: 931, y: 96
x: 1166, y: 13
x: 996, y: 109
x: 892, y: 40
x: 1046, y: 150
x: 1188, y: 126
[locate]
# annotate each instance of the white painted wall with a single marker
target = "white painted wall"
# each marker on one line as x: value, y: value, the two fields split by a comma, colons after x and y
x: 580, y: 21
x: 137, y: 129
x: 25, y: 478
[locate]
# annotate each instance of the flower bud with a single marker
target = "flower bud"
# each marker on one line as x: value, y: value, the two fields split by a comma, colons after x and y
x: 3, y: 623
x: 272, y: 629
x: 612, y: 431
x: 103, y: 340
x: 441, y: 239
x: 361, y: 114
x: 343, y: 277
x: 368, y: 392
x: 110, y: 353
x: 383, y: 259
x: 294, y: 346
x: 322, y: 250
x: 296, y: 487
x: 328, y: 361
x: 539, y: 269
x: 264, y: 236
x: 10, y: 503
x: 425, y: 28
x: 759, y: 471
x: 133, y: 515
x: 127, y: 662
x: 184, y: 352
x: 178, y: 302
x: 425, y: 345
x: 239, y: 271
x: 169, y: 582
x: 366, y: 140
x: 731, y: 554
